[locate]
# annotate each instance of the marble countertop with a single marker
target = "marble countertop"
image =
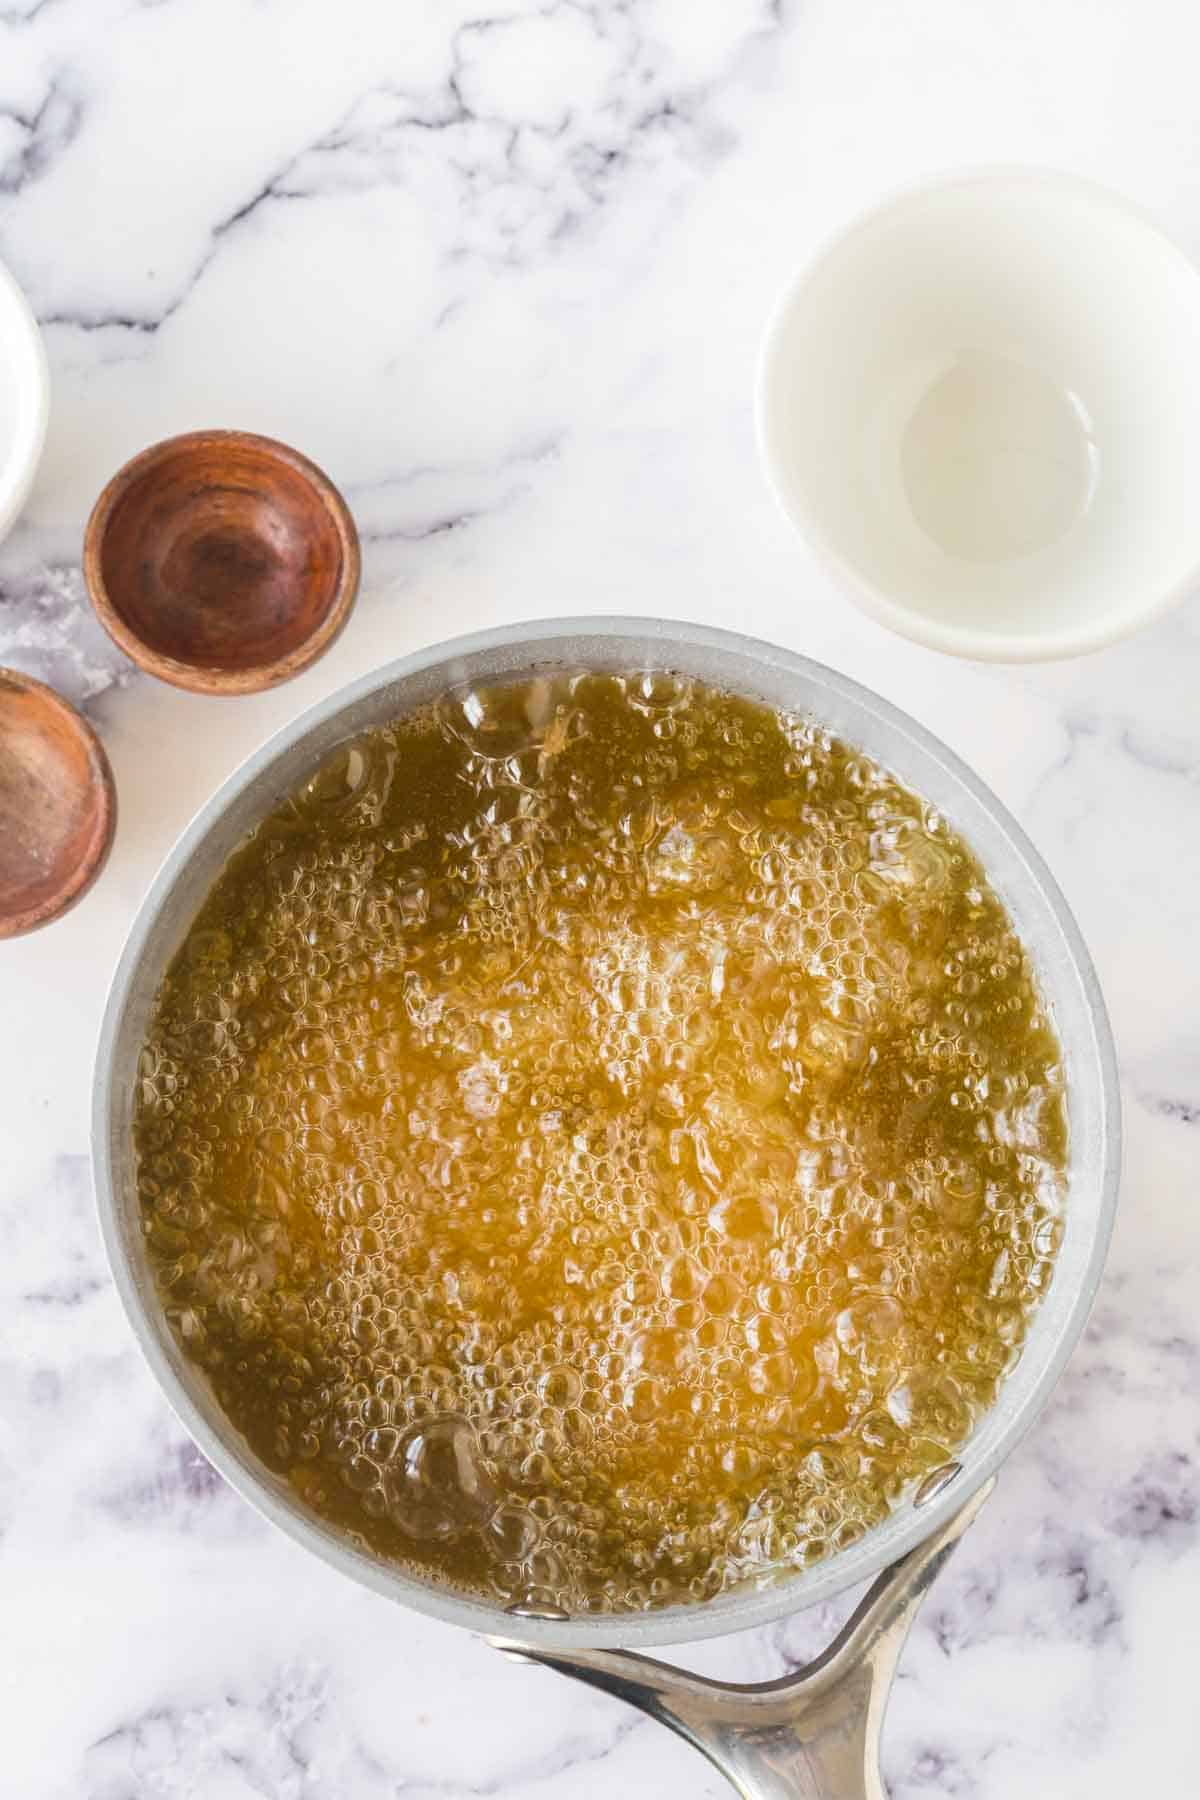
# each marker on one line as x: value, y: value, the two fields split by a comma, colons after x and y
x: 504, y: 275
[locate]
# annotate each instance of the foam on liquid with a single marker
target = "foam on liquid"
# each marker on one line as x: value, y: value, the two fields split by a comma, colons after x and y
x: 602, y: 1140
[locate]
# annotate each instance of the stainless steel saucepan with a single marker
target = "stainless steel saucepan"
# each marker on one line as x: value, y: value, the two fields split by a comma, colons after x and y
x: 814, y: 1734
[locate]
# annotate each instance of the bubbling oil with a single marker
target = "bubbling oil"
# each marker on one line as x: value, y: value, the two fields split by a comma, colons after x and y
x: 603, y: 1141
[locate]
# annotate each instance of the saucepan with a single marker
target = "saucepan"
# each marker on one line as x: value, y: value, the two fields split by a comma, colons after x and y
x: 816, y: 1733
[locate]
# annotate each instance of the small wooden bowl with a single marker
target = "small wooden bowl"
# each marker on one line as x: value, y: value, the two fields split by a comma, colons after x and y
x: 58, y: 805
x: 221, y: 561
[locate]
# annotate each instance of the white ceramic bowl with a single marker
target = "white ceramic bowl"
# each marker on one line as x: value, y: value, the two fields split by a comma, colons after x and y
x: 981, y: 402
x: 24, y: 399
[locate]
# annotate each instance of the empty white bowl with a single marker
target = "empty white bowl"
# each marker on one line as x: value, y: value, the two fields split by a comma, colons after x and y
x: 982, y: 403
x: 24, y: 399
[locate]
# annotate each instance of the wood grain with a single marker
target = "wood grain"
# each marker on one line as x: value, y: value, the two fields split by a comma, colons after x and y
x: 58, y: 804
x: 221, y: 561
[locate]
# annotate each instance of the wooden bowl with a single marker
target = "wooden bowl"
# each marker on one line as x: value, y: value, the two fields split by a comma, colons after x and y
x: 221, y: 561
x: 58, y: 805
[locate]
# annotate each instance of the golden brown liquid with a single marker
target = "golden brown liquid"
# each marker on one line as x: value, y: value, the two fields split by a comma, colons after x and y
x: 603, y: 1141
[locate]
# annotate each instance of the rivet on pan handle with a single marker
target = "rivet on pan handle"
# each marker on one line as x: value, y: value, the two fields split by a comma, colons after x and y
x: 813, y: 1735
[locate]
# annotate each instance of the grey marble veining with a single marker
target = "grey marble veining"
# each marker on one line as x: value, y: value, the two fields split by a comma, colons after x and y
x: 503, y: 274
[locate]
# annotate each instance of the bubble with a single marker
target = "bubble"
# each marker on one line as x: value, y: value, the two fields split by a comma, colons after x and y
x: 644, y: 1401
x: 514, y: 1532
x: 659, y: 692
x: 766, y: 1332
x: 342, y: 777
x: 560, y: 1386
x: 438, y: 1488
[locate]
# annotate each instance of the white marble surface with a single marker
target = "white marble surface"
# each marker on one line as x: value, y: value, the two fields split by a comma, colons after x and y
x: 504, y: 276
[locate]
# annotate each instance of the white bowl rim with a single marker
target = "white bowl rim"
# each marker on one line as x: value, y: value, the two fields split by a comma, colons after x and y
x: 20, y: 465
x: 906, y: 621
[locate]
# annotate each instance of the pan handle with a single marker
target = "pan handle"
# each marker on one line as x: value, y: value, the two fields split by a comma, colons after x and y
x: 812, y: 1735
